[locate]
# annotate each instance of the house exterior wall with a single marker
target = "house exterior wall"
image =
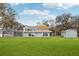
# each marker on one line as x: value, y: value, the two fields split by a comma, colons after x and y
x: 70, y: 33
x: 38, y: 34
x: 0, y: 33
x: 7, y: 33
x: 18, y: 34
x: 35, y: 34
x: 26, y: 32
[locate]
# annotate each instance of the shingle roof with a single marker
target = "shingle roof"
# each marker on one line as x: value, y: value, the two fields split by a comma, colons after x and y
x: 40, y: 27
x: 39, y: 31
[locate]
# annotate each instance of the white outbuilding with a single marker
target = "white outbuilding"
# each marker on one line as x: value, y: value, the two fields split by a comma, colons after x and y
x: 69, y: 33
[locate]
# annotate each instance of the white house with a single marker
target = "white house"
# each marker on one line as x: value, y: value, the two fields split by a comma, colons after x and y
x: 69, y: 33
x: 28, y: 31
x: 36, y: 31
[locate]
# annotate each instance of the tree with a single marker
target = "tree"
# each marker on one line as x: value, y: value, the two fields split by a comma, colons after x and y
x: 45, y: 22
x: 75, y: 22
x: 18, y: 26
x: 62, y: 23
x: 64, y: 20
x: 8, y: 17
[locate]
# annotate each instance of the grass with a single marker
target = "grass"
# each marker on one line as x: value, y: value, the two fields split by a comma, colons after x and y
x: 50, y: 46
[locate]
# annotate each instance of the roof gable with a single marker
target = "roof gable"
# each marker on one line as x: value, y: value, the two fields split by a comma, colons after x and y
x: 37, y: 27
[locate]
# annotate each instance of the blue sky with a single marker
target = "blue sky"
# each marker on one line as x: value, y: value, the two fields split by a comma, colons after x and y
x: 31, y: 13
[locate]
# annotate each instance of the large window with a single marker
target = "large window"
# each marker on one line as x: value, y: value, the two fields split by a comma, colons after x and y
x: 29, y: 29
x: 45, y: 34
x: 29, y: 34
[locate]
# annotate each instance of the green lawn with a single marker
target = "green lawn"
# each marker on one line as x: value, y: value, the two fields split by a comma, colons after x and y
x: 51, y: 46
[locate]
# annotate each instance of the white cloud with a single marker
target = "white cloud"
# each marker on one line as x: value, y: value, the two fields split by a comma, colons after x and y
x: 59, y: 5
x: 15, y: 4
x: 42, y: 15
x: 38, y: 13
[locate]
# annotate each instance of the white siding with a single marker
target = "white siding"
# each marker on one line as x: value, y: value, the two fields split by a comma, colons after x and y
x: 35, y: 34
x: 25, y: 34
x: 38, y: 34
